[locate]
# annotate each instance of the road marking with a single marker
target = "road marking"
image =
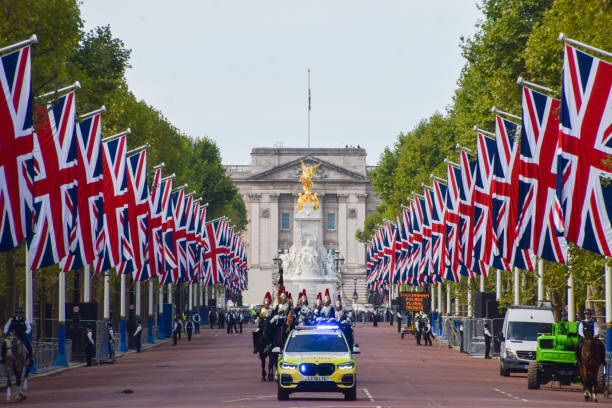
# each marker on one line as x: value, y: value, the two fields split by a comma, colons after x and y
x: 370, y: 397
x: 510, y: 395
x: 247, y: 399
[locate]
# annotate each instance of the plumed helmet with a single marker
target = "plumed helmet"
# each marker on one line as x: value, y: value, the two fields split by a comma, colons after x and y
x: 319, y: 299
x: 282, y: 295
x: 339, y: 302
x: 304, y: 298
x: 327, y: 298
x: 290, y: 298
x: 267, y: 298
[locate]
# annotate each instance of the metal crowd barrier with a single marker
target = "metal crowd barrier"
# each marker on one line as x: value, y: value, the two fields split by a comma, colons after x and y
x: 472, y: 334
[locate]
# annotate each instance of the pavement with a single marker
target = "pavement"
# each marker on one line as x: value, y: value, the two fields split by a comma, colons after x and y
x: 219, y: 370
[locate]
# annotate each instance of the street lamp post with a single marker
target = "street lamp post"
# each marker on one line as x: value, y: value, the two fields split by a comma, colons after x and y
x: 355, y: 296
x: 279, y: 262
x: 337, y: 262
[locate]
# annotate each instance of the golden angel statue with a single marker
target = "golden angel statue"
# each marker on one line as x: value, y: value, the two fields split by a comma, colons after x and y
x: 306, y: 179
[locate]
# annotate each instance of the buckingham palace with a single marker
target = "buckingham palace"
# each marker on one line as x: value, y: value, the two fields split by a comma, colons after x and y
x: 270, y: 188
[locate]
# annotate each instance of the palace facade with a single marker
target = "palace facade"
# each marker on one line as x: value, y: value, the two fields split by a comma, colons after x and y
x: 270, y: 187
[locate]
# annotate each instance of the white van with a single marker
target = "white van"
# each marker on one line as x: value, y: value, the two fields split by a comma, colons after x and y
x: 522, y: 326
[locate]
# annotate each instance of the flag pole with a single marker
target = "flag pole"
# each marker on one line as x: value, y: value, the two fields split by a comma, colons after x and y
x: 308, y: 122
x: 563, y: 38
x: 32, y: 40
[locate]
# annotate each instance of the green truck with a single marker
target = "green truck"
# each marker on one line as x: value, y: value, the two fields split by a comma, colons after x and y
x: 556, y: 358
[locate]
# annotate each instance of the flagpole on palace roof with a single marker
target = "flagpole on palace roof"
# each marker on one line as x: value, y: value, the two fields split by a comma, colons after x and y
x: 308, y: 121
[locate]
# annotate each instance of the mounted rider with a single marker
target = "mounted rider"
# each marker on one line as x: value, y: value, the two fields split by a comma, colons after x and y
x: 344, y: 322
x: 282, y: 309
x: 327, y: 310
x: 264, y: 313
x: 21, y: 327
x: 303, y: 313
x: 589, y: 324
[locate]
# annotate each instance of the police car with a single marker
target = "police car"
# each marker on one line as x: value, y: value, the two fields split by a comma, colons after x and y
x: 317, y: 359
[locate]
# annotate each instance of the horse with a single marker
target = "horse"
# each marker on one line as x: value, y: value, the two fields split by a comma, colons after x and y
x: 263, y: 346
x: 16, y: 359
x: 590, y: 360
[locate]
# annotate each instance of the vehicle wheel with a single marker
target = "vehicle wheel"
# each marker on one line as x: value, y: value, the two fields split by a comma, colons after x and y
x: 282, y: 394
x: 533, y: 381
x: 503, y: 371
x: 601, y: 380
x: 351, y: 395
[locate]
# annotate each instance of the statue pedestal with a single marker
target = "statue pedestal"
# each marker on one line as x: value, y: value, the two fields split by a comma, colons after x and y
x: 309, y: 265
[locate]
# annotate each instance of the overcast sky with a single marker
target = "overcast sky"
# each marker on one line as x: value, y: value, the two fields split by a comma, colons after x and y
x: 235, y: 71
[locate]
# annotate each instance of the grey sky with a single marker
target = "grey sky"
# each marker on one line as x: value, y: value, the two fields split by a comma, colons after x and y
x: 235, y: 71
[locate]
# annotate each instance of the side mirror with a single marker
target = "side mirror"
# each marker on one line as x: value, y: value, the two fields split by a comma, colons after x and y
x: 356, y: 349
x: 276, y: 350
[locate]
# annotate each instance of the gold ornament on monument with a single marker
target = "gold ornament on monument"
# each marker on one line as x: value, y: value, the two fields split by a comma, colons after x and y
x: 306, y: 180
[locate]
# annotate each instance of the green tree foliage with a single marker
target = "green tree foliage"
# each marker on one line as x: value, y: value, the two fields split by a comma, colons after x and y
x: 514, y: 38
x: 98, y: 60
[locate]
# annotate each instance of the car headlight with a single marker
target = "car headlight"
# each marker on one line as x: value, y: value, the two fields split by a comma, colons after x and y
x: 511, y: 355
x: 288, y: 366
x: 346, y: 366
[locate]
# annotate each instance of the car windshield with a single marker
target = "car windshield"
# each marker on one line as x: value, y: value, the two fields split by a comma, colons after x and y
x: 330, y: 343
x: 527, y: 330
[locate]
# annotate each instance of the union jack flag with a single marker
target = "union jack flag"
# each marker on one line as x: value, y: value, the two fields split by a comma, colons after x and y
x: 179, y: 213
x: 16, y: 145
x: 193, y: 214
x: 406, y: 246
x: 168, y: 274
x: 417, y: 241
x: 585, y: 147
x: 537, y: 186
x: 215, y: 251
x: 55, y: 182
x: 425, y: 259
x: 436, y: 199
x: 138, y: 209
x: 116, y: 220
x: 484, y: 238
x: 201, y: 238
x: 87, y: 239
x: 451, y: 221
x: 466, y: 213
x: 155, y: 239
x: 504, y: 193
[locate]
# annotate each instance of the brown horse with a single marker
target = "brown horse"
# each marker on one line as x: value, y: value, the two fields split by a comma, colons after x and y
x: 590, y: 361
x: 17, y: 364
x: 262, y: 344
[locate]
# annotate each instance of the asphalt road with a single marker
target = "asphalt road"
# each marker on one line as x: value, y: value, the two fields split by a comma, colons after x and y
x: 219, y: 370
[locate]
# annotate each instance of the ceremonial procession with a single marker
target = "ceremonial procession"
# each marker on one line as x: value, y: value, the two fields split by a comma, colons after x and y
x: 328, y: 204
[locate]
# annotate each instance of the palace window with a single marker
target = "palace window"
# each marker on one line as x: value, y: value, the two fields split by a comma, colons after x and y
x: 285, y: 222
x: 331, y: 221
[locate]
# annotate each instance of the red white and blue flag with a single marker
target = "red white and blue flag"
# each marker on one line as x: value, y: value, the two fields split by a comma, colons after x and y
x: 451, y: 221
x: 55, y: 182
x: 87, y: 238
x: 16, y: 145
x: 584, y: 188
x: 213, y: 257
x: 116, y: 219
x: 179, y: 209
x: 537, y: 184
x: 168, y: 274
x: 156, y: 245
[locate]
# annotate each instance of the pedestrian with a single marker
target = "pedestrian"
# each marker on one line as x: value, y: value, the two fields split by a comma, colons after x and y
x: 487, y: 339
x: 220, y: 319
x: 211, y: 317
x: 461, y: 335
x: 138, y: 335
x: 427, y: 332
x: 189, y: 328
x: 399, y: 322
x: 176, y: 329
x: 196, y: 323
x: 240, y: 320
x: 418, y: 329
x: 111, y: 340
x: 90, y: 345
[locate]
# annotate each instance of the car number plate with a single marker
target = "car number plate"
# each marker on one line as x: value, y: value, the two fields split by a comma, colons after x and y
x: 316, y: 378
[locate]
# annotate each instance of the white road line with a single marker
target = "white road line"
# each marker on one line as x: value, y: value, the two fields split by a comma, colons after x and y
x: 247, y: 399
x: 510, y: 395
x: 368, y: 394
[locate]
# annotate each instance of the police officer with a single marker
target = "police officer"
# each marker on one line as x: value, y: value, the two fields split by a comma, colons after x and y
x: 138, y: 335
x: 427, y: 332
x: 587, y: 323
x: 189, y: 328
x: 22, y: 327
x: 90, y: 345
x: 196, y: 322
x: 487, y: 338
x: 176, y: 329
